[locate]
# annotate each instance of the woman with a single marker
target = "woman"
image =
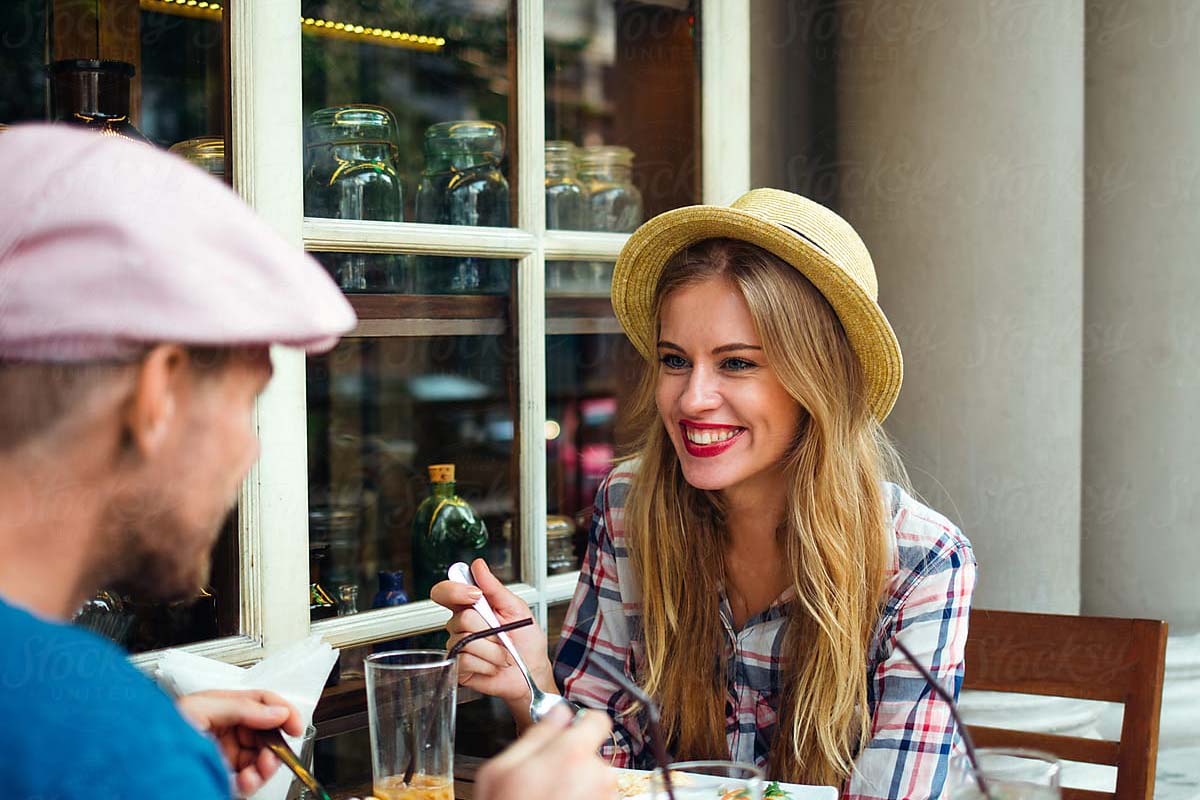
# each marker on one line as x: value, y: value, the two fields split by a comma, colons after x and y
x: 751, y: 565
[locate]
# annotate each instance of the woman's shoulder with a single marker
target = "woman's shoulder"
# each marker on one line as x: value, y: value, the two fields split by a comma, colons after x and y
x: 614, y: 489
x: 922, y: 540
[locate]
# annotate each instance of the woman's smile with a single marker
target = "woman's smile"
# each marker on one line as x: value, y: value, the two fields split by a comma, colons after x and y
x: 705, y: 440
x: 728, y: 416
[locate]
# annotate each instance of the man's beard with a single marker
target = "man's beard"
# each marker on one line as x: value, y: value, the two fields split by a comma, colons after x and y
x: 154, y: 555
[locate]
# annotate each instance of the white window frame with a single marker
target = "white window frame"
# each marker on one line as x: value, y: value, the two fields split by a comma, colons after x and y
x: 267, y: 155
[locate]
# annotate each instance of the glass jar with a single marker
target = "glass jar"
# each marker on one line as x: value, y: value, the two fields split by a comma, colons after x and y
x: 206, y: 152
x: 566, y: 197
x: 463, y: 185
x: 94, y: 94
x: 351, y: 172
x: 560, y: 545
x: 614, y: 203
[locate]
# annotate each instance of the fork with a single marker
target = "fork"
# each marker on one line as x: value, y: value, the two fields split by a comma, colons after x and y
x: 540, y: 703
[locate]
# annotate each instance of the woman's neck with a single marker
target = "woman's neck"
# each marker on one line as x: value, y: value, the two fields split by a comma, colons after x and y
x: 755, y: 570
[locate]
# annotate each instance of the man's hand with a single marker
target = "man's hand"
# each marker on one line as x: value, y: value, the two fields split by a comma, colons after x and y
x: 234, y: 719
x: 549, y: 757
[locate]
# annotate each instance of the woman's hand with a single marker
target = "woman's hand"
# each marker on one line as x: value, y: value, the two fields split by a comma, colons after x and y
x: 234, y: 719
x: 486, y: 665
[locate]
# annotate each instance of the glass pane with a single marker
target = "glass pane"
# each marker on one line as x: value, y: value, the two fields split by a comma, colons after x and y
x: 622, y: 112
x: 556, y: 615
x: 426, y: 380
x: 591, y: 372
x: 146, y: 70
x: 408, y: 106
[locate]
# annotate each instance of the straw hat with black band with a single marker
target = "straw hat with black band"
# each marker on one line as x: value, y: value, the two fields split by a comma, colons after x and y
x: 805, y: 234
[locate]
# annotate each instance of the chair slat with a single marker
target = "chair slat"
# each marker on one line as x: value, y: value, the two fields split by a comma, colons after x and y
x: 1085, y: 794
x: 1072, y: 748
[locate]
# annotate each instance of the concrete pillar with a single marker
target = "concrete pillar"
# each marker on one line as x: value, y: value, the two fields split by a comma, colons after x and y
x: 1141, y: 468
x: 960, y: 145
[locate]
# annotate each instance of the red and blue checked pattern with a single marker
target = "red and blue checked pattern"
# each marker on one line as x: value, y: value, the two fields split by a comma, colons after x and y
x: 926, y: 604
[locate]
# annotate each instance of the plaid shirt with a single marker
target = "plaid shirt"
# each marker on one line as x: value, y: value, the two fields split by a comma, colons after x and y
x: 928, y: 595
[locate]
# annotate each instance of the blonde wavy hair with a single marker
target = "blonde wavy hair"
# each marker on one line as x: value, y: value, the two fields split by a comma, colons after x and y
x: 833, y: 535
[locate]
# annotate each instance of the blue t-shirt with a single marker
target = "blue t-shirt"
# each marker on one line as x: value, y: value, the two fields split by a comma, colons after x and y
x: 78, y: 722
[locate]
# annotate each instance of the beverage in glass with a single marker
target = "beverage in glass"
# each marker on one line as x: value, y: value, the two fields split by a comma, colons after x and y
x: 411, y: 708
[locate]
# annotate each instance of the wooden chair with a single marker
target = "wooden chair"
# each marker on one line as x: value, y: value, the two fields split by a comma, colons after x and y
x: 1087, y: 658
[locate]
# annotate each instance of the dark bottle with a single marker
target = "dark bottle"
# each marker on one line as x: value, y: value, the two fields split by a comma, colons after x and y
x: 94, y: 94
x: 445, y: 530
x: 391, y: 589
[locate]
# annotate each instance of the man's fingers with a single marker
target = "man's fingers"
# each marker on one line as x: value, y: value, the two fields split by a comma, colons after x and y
x: 222, y: 712
x: 474, y: 665
x: 533, y: 740
x: 591, y: 729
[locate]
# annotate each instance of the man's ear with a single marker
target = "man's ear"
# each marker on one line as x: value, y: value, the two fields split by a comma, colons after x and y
x: 154, y: 404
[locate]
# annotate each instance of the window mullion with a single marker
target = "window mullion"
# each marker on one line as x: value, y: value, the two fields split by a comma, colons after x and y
x: 531, y: 295
x: 267, y: 152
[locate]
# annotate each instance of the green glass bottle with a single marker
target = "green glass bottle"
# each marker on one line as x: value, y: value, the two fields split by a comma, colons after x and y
x: 445, y: 530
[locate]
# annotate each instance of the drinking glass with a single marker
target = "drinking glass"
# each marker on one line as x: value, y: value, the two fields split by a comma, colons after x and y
x: 411, y: 707
x: 1010, y: 774
x: 296, y: 789
x: 711, y: 780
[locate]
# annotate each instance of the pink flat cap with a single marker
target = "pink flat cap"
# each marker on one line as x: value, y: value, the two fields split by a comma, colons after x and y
x: 108, y: 244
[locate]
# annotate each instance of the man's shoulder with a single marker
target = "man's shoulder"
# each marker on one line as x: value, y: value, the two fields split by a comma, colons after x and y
x: 71, y: 688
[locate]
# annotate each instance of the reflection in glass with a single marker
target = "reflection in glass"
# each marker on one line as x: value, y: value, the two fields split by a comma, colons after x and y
x: 436, y: 386
x: 426, y: 64
x: 627, y: 75
x: 591, y: 372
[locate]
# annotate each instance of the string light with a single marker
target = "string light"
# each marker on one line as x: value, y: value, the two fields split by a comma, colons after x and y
x: 206, y: 9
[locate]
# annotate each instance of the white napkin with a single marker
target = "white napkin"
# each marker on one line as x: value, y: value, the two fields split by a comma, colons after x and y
x: 298, y: 673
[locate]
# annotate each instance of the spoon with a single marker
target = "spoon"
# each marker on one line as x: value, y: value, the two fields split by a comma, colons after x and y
x: 273, y: 741
x: 540, y: 703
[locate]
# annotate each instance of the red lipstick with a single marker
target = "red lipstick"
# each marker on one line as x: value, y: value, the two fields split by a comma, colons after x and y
x: 708, y: 450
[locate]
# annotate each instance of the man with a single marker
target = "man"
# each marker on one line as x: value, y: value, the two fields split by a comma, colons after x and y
x: 138, y: 300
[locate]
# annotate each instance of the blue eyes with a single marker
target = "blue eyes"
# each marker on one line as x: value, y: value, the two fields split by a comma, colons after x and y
x: 676, y: 362
x: 671, y: 361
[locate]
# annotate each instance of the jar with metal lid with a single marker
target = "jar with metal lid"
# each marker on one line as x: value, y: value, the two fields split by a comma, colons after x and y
x: 351, y: 172
x: 462, y: 184
x: 560, y: 544
x: 206, y: 152
x: 94, y: 94
x: 614, y: 203
x: 566, y: 197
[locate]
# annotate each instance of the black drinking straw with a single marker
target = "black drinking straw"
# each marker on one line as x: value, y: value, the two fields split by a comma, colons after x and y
x: 441, y: 687
x: 657, y: 742
x: 962, y: 729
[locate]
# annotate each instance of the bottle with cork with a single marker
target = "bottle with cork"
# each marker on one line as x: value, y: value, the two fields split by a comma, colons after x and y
x: 445, y: 530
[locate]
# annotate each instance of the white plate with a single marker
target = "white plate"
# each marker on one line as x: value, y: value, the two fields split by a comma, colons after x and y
x: 795, y: 790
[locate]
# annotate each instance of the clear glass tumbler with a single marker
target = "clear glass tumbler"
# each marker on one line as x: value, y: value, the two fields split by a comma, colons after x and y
x: 1008, y: 773
x: 411, y: 707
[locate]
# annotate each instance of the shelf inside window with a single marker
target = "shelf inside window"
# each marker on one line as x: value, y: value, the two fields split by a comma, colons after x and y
x: 473, y: 315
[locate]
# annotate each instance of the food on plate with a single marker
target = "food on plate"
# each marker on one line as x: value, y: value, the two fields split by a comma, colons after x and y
x: 633, y: 784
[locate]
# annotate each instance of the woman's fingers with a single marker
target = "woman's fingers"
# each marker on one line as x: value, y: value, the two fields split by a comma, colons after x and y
x: 507, y: 605
x: 454, y: 595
